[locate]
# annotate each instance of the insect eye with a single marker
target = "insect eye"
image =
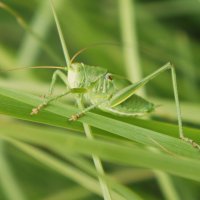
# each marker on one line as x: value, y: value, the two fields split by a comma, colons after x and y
x: 109, y: 77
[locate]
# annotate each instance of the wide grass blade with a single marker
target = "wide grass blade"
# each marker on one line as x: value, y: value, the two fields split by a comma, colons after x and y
x: 19, y: 105
x: 63, y: 143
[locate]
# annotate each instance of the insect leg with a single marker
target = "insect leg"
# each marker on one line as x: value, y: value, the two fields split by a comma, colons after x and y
x: 50, y: 99
x: 128, y: 91
x: 46, y: 102
x: 56, y: 74
x: 82, y: 112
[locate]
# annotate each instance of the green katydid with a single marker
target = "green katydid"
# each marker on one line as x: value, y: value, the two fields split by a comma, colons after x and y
x: 108, y: 92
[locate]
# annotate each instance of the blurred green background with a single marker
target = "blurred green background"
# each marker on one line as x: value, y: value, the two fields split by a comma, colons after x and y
x: 161, y: 31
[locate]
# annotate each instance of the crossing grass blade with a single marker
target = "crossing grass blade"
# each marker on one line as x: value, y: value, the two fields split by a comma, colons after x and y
x: 177, y: 157
x: 73, y: 173
x: 19, y: 105
x: 63, y: 144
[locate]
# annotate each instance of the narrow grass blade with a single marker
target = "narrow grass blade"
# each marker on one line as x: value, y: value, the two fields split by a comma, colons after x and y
x: 64, y: 47
x: 97, y: 162
x: 68, y: 171
x: 167, y: 186
x: 127, y: 16
x: 8, y: 181
x: 72, y: 193
x: 63, y: 143
x: 36, y: 32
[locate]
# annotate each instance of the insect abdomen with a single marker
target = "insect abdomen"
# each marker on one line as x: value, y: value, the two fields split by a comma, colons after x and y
x: 133, y: 106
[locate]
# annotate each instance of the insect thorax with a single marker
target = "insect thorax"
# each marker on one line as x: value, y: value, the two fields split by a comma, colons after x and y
x: 80, y: 75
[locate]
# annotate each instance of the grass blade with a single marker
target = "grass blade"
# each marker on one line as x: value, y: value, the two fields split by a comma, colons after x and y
x: 63, y: 143
x: 8, y: 182
x: 68, y: 171
x: 128, y: 31
x: 19, y: 105
x: 64, y: 47
x: 97, y: 162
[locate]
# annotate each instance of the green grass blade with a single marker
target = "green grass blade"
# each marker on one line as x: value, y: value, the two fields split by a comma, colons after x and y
x: 134, y: 72
x: 87, y: 167
x: 64, y: 47
x: 129, y: 36
x: 167, y: 186
x: 19, y: 105
x: 68, y: 171
x: 37, y: 31
x: 63, y: 143
x: 72, y: 193
x: 34, y: 38
x: 97, y: 162
x: 8, y: 181
x: 7, y: 59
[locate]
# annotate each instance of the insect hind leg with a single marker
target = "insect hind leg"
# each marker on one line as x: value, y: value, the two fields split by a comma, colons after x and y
x: 128, y: 91
x: 85, y: 110
x: 82, y: 112
x: 178, y: 109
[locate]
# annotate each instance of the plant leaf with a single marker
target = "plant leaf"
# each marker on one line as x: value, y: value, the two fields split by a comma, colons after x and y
x: 63, y: 143
x: 19, y: 105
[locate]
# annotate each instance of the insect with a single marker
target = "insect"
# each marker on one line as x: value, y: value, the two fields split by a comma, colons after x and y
x: 106, y: 91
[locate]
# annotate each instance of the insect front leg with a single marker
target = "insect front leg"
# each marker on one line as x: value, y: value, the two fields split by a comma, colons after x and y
x: 47, y: 101
x: 47, y: 98
x: 128, y: 91
x: 57, y: 74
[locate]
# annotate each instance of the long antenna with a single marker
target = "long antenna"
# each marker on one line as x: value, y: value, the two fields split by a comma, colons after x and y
x: 78, y: 53
x: 92, y: 46
x: 34, y: 67
x: 62, y: 40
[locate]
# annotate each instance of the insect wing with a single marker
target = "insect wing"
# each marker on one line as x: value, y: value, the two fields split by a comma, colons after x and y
x: 133, y: 106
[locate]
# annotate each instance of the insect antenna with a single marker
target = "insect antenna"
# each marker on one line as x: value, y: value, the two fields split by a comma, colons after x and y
x: 90, y: 47
x: 34, y: 67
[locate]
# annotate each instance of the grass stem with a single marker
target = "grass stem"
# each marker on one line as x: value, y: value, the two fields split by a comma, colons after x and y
x: 96, y: 159
x: 129, y: 37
